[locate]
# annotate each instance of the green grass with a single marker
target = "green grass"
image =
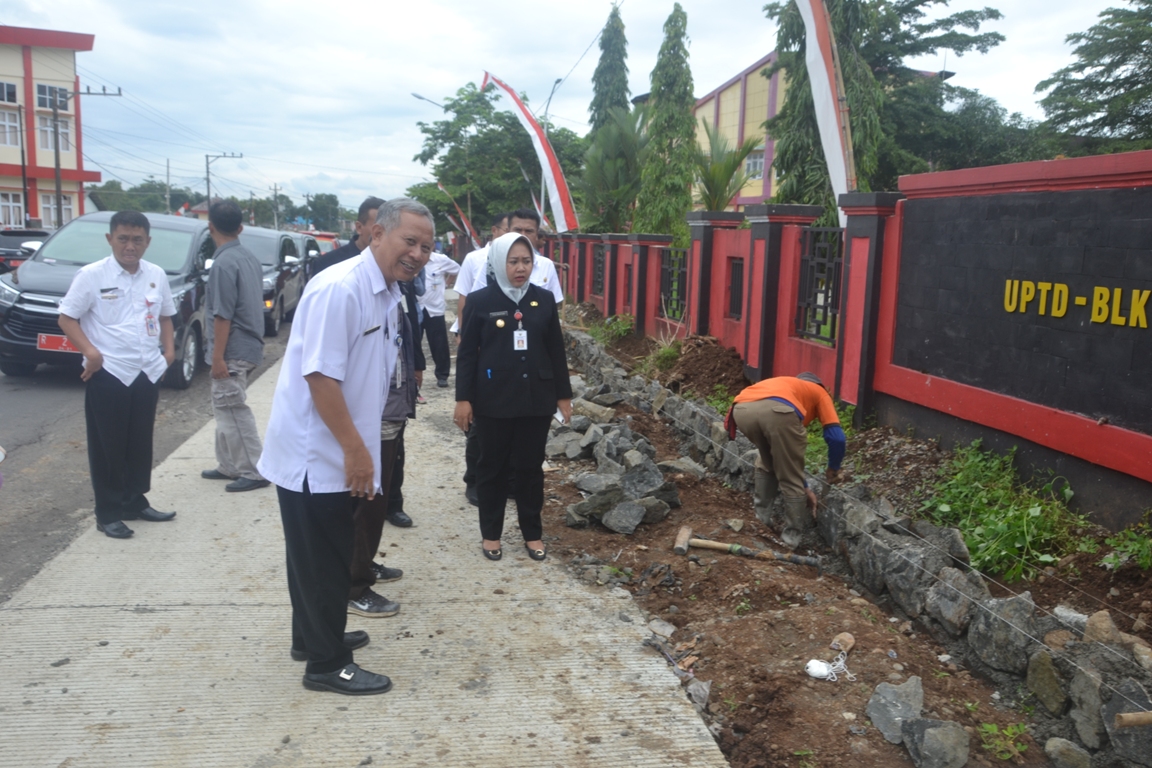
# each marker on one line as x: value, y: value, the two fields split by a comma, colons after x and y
x: 1132, y: 544
x: 1011, y: 528
x: 613, y: 329
x: 720, y: 400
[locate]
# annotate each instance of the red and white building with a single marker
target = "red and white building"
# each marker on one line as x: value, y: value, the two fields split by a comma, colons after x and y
x: 37, y: 66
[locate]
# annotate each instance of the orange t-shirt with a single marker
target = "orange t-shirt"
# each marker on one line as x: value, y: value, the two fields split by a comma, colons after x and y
x: 811, y: 399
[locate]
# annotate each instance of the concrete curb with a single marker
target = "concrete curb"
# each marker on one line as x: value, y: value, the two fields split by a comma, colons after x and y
x: 171, y: 649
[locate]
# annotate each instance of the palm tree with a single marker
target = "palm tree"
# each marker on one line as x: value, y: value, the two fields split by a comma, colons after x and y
x: 611, y: 179
x: 720, y: 171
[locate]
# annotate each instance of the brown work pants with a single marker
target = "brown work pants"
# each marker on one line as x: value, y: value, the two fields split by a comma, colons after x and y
x: 779, y: 435
x: 368, y: 522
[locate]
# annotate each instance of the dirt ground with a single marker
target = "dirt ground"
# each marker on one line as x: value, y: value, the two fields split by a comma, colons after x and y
x: 750, y: 626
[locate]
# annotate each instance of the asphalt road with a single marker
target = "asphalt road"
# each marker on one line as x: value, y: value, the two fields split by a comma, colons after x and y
x: 46, y: 498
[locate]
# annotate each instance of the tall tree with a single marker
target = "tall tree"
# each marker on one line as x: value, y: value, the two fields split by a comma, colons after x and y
x: 1107, y: 92
x: 477, y: 153
x: 612, y: 165
x: 720, y: 171
x: 874, y: 38
x: 610, y: 80
x: 666, y: 178
x: 324, y: 211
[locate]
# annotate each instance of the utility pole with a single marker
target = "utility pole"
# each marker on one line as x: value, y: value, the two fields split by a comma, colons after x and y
x: 252, y: 208
x: 543, y: 176
x: 208, y: 170
x: 23, y: 162
x: 167, y: 187
x: 56, y: 95
x: 275, y: 206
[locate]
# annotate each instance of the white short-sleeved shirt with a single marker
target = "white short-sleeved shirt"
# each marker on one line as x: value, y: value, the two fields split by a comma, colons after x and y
x: 346, y: 327
x: 543, y: 275
x: 439, y: 267
x: 113, y: 306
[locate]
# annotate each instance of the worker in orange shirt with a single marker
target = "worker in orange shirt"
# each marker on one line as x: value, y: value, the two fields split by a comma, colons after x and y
x: 774, y: 415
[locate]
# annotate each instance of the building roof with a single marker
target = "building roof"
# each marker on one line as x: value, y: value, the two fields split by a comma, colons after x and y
x: 46, y: 38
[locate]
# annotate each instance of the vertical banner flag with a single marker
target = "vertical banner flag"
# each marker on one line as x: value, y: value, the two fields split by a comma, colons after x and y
x: 828, y: 95
x: 562, y: 207
x: 540, y: 212
x: 455, y: 224
x: 463, y: 218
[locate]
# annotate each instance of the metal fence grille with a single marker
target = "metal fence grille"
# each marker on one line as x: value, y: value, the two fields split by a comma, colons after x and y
x: 673, y: 283
x: 818, y: 303
x: 598, y: 270
x: 628, y: 285
x: 735, y: 288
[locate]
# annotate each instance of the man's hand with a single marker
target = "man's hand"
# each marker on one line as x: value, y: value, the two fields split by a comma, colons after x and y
x: 359, y: 473
x: 419, y: 378
x: 833, y: 476
x: 462, y: 416
x: 812, y: 501
x: 93, y: 362
x: 565, y: 407
x: 219, y: 370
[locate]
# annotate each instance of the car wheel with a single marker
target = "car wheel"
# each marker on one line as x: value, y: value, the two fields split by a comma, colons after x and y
x: 18, y: 369
x: 184, y: 367
x: 273, y: 320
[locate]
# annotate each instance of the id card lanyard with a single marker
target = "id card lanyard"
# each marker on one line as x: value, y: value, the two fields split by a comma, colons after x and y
x: 150, y: 320
x: 399, y: 350
x: 519, y: 336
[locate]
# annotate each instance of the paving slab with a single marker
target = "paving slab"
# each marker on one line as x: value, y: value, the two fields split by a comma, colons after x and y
x: 171, y: 648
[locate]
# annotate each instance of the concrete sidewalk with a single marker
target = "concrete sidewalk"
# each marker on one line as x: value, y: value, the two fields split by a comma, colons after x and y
x: 171, y: 648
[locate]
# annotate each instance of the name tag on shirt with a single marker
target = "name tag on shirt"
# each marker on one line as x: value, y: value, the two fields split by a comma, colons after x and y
x: 371, y: 330
x: 520, y: 340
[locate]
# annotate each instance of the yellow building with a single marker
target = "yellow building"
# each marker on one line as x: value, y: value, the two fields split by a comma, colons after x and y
x: 738, y: 108
x: 37, y: 67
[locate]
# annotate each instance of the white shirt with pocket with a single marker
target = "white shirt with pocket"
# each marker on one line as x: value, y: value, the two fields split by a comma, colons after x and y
x: 439, y: 267
x: 114, y: 307
x: 346, y: 329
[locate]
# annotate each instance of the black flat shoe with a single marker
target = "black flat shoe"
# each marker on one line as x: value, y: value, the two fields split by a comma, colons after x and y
x: 536, y: 554
x: 492, y: 554
x: 246, y: 484
x: 215, y: 474
x: 352, y: 641
x: 116, y: 530
x: 350, y: 681
x: 153, y: 516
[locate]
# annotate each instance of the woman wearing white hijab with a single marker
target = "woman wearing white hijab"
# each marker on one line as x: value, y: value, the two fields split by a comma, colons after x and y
x: 511, y: 377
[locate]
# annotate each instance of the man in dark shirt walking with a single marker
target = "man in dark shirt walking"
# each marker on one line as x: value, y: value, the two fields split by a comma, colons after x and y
x: 365, y: 217
x: 235, y: 346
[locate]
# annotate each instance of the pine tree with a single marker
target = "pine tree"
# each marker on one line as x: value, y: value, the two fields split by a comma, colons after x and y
x: 669, y: 169
x: 610, y: 80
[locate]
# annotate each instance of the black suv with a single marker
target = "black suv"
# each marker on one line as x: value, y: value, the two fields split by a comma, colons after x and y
x: 284, y: 275
x: 30, y: 296
x: 16, y: 245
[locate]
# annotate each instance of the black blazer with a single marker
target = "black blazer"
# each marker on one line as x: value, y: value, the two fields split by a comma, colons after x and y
x: 500, y: 381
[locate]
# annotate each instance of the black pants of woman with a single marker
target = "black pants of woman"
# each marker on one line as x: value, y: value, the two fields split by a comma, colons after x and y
x: 506, y: 445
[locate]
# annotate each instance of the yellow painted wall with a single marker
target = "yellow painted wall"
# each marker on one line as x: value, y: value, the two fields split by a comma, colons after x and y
x: 54, y: 66
x: 705, y: 112
x: 730, y: 113
x: 11, y: 71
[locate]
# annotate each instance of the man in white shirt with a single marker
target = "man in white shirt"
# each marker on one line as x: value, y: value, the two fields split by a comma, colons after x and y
x: 322, y: 445
x: 118, y: 313
x: 475, y: 265
x: 432, y: 307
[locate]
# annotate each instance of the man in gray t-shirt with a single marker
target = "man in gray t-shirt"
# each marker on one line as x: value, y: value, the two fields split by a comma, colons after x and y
x: 235, y: 346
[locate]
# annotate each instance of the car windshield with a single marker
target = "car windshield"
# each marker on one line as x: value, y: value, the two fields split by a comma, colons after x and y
x: 326, y: 245
x: 84, y: 242
x: 266, y: 249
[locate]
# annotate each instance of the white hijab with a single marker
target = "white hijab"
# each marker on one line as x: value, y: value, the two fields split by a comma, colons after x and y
x: 498, y: 264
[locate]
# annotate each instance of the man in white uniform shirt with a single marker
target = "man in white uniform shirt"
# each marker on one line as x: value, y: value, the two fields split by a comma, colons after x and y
x: 474, y: 264
x: 322, y: 445
x: 432, y: 307
x: 118, y: 313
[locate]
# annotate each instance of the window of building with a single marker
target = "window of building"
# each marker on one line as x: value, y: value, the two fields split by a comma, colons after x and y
x: 45, y: 94
x: 754, y: 164
x: 8, y: 93
x: 48, y: 209
x: 735, y: 288
x: 47, y: 134
x: 11, y: 209
x: 9, y: 128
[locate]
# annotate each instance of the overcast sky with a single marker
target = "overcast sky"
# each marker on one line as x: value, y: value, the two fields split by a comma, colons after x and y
x: 317, y: 96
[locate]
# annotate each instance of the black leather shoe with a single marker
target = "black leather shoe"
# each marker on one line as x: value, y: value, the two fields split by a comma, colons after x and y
x: 350, y: 681
x: 215, y: 474
x: 116, y: 530
x: 442, y: 383
x: 536, y: 554
x: 152, y: 515
x: 492, y: 554
x: 352, y: 641
x: 399, y: 518
x: 246, y: 484
x: 472, y: 495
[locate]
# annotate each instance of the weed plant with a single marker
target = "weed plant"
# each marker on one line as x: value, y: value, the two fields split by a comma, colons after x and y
x: 720, y: 400
x: 612, y: 330
x: 1011, y: 528
x: 1132, y: 544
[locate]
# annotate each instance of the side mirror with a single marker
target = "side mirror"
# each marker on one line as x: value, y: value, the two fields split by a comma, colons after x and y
x: 30, y: 246
x: 208, y: 264
x: 313, y: 253
x: 291, y: 260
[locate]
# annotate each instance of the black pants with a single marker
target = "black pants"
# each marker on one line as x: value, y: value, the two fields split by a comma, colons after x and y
x: 437, y: 332
x: 368, y: 520
x: 507, y: 444
x: 120, y: 421
x: 395, y: 490
x: 472, y: 460
x: 318, y: 538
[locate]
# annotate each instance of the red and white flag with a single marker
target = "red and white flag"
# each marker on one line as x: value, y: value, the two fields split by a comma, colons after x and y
x: 827, y: 94
x: 562, y: 207
x: 455, y: 224
x: 540, y: 212
x: 467, y: 224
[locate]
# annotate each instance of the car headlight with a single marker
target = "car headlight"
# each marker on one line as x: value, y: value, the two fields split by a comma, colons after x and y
x: 269, y: 284
x: 8, y: 294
